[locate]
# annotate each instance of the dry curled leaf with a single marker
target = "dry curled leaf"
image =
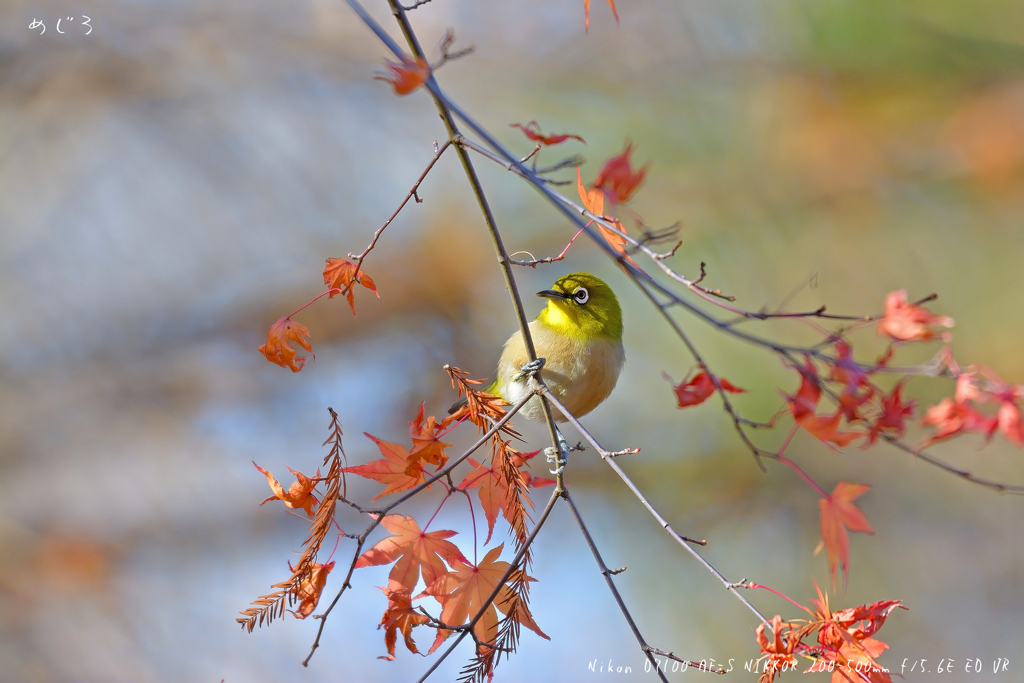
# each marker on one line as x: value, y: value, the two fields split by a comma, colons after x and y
x: 279, y: 351
x: 697, y: 390
x: 340, y: 274
x: 309, y: 589
x: 400, y: 617
x: 532, y: 131
x: 406, y: 75
x: 778, y: 652
x: 299, y: 495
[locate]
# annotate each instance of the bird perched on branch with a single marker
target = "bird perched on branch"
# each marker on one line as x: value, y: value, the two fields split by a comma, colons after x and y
x: 579, y: 337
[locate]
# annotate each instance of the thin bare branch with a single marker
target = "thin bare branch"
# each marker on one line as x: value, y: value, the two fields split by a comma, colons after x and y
x: 608, y: 573
x: 438, y: 151
x: 682, y: 540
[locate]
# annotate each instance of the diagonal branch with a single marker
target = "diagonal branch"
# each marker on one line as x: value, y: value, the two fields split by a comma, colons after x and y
x: 380, y: 514
x: 443, y: 108
x: 438, y: 151
x: 662, y: 522
x: 648, y: 651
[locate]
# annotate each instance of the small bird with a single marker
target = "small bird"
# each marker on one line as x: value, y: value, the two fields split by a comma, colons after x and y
x: 579, y: 336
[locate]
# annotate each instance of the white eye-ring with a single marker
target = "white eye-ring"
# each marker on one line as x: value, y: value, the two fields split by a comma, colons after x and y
x: 581, y: 295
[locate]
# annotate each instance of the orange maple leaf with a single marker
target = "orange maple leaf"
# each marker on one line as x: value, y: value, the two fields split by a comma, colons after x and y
x: 399, y: 616
x: 299, y: 495
x: 341, y: 274
x: 617, y: 177
x: 586, y: 10
x: 492, y: 490
x: 309, y: 590
x: 394, y: 469
x: 426, y: 446
x: 406, y: 75
x: 593, y: 200
x: 804, y: 403
x: 893, y: 416
x: 414, y: 550
x: 493, y: 487
x: 277, y: 349
x: 532, y: 131
x: 697, y: 390
x: 462, y: 593
x: 904, y: 321
x: 839, y: 514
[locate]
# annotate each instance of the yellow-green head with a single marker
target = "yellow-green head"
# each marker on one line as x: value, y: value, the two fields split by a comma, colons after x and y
x: 582, y: 306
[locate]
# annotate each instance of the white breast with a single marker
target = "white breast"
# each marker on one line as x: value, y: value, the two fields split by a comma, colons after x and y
x: 581, y: 374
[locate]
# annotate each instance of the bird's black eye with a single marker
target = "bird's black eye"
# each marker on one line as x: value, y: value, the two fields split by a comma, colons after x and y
x: 581, y: 295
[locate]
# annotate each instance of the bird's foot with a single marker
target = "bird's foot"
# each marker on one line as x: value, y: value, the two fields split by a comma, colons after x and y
x: 531, y: 368
x: 555, y: 458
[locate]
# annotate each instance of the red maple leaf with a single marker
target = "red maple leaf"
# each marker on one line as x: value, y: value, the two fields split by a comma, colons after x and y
x: 406, y: 75
x: 399, y: 617
x: 532, y: 131
x: 277, y: 349
x: 394, y: 469
x: 893, y: 415
x: 904, y: 321
x: 839, y: 514
x: 697, y: 390
x: 846, y: 646
x: 804, y: 403
x: 414, y: 550
x: 855, y: 378
x: 617, y: 178
x: 1008, y: 418
x: 341, y: 274
x: 779, y: 650
x: 463, y: 591
x: 951, y: 417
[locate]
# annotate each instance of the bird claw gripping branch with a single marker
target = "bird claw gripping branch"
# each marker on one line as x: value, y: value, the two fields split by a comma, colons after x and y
x: 530, y: 369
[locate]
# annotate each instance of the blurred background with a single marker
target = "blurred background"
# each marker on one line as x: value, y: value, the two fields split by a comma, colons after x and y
x: 171, y: 184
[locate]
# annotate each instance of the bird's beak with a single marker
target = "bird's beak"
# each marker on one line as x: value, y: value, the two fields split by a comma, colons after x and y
x: 552, y: 294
